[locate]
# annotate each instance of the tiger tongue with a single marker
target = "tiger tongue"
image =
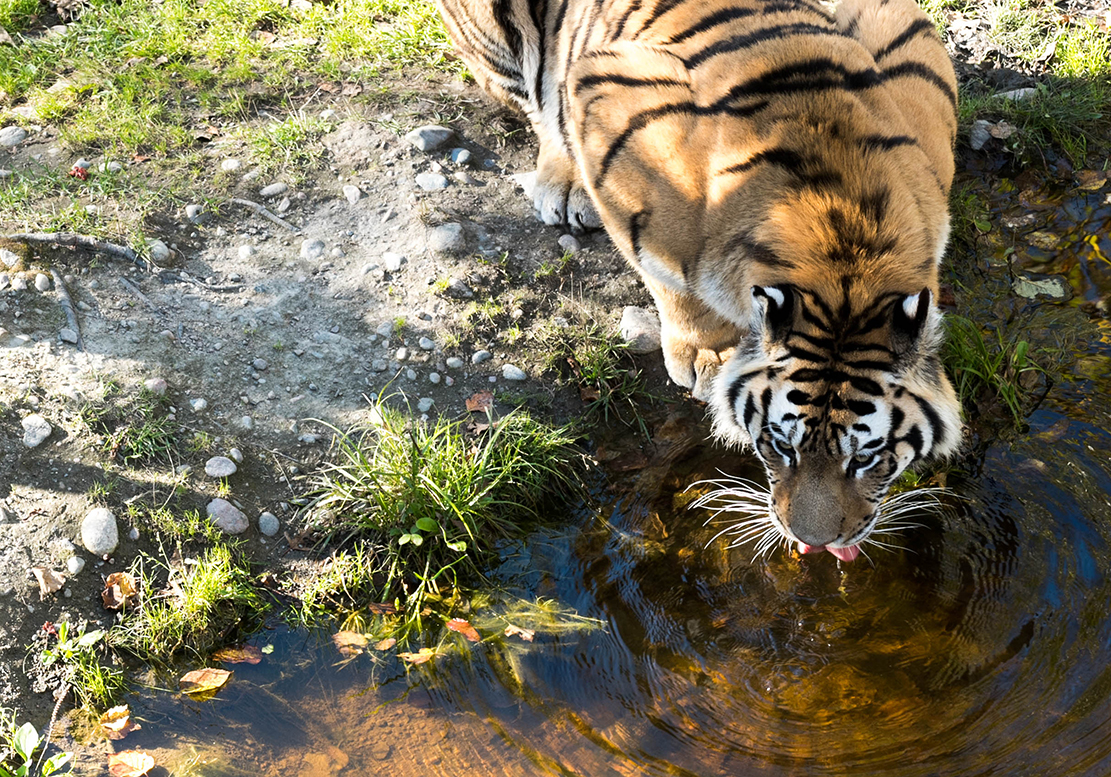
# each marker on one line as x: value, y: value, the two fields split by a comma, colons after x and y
x: 844, y: 554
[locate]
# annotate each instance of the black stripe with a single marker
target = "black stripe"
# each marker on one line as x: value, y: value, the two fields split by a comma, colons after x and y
x: 886, y: 142
x: 661, y: 8
x: 798, y: 397
x: 720, y: 17
x: 802, y: 353
x: 820, y: 342
x: 538, y: 11
x: 605, y: 79
x: 861, y: 407
x: 780, y: 157
x: 897, y: 418
x: 754, y: 251
x: 938, y: 430
x: 738, y: 385
x: 809, y: 75
x: 741, y: 42
x: 919, y: 26
x: 503, y: 16
x: 618, y: 30
x: 919, y: 70
x: 869, y: 364
x: 865, y: 385
x: 914, y: 437
x: 750, y: 411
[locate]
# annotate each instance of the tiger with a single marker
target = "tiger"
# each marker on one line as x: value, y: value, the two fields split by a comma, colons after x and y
x: 778, y: 173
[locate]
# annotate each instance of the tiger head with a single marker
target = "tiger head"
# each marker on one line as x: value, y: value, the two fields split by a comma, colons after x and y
x: 837, y: 402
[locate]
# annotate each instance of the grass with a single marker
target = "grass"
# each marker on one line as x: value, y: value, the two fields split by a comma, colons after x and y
x: 135, y: 430
x: 288, y: 144
x: 20, y: 743
x: 15, y: 15
x: 81, y: 656
x: 434, y: 500
x: 203, y: 604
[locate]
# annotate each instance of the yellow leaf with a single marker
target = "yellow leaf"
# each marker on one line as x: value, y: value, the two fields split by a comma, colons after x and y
x: 130, y: 763
x: 350, y: 643
x: 463, y: 627
x: 244, y: 654
x: 424, y: 654
x: 526, y: 634
x: 385, y: 644
x: 120, y: 589
x: 116, y: 723
x: 203, y: 681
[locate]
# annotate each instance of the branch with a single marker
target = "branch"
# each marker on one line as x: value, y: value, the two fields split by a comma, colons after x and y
x: 265, y: 213
x: 74, y: 240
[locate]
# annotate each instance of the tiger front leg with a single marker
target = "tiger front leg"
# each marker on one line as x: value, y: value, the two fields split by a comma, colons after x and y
x: 696, y: 341
x: 559, y: 196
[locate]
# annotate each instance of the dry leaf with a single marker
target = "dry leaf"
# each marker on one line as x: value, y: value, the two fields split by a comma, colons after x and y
x: 381, y: 609
x: 116, y: 723
x: 244, y: 654
x: 589, y: 394
x: 350, y: 643
x: 325, y: 86
x: 1091, y: 180
x: 120, y: 589
x: 5, y: 38
x: 526, y: 634
x: 352, y: 90
x: 49, y: 580
x: 1002, y: 130
x: 385, y: 644
x: 130, y: 763
x: 480, y: 402
x: 424, y: 654
x: 140, y: 158
x: 463, y: 627
x: 203, y: 681
x: 264, y: 37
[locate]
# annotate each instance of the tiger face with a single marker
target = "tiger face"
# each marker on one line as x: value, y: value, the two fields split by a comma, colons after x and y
x: 836, y: 405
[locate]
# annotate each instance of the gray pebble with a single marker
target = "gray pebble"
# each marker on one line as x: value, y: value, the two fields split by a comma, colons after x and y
x: 379, y: 365
x: 220, y: 467
x: 312, y: 249
x: 156, y: 386
x: 8, y: 258
x: 411, y: 374
x: 457, y: 288
x: 480, y: 356
x: 268, y: 524
x: 640, y: 328
x: 352, y: 193
x: 159, y: 251
x: 434, y: 377
x: 199, y: 404
x: 274, y: 189
x: 454, y: 362
x: 195, y: 213
x: 513, y: 372
x: 133, y: 534
x: 35, y: 430
x: 19, y: 283
x: 391, y: 261
x: 569, y: 243
x: 230, y: 165
x: 430, y: 137
x: 431, y: 182
x: 246, y: 423
x: 426, y: 344
x: 99, y: 533
x: 12, y: 136
x: 110, y: 167
x: 401, y: 354
x: 227, y: 517
x: 68, y: 335
x: 247, y: 251
x: 447, y: 238
x: 425, y: 404
x: 236, y: 455
x: 74, y: 565
x: 260, y: 364
x: 42, y: 282
x: 980, y: 134
x: 460, y: 156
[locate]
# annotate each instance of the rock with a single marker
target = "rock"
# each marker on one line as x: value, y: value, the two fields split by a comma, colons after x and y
x: 1055, y: 287
x: 513, y: 372
x: 230, y: 165
x: 195, y: 213
x: 328, y: 115
x: 401, y: 354
x: 42, y: 282
x: 260, y: 364
x: 156, y: 386
x: 273, y: 190
x: 268, y: 524
x: 431, y: 182
x: 247, y: 251
x: 312, y: 249
x: 640, y: 328
x: 159, y: 252
x: 227, y: 517
x: 199, y: 404
x: 352, y: 193
x: 569, y: 243
x: 462, y: 176
x: 19, y: 283
x: 430, y: 137
x: 527, y: 182
x: 434, y: 377
x: 8, y: 258
x: 35, y: 430
x: 426, y: 344
x: 236, y: 455
x: 246, y: 423
x: 5, y: 279
x: 110, y: 167
x: 220, y: 467
x: 454, y: 363
x: 1046, y: 241
x: 980, y: 134
x: 447, y: 239
x: 391, y: 261
x: 425, y: 404
x: 379, y: 365
x: 99, y: 533
x: 480, y: 356
x: 133, y: 535
x: 460, y: 156
x: 67, y: 335
x: 74, y: 565
x: 1024, y: 93
x: 12, y: 136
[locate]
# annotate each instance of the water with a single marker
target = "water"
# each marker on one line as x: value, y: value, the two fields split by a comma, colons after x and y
x: 981, y: 646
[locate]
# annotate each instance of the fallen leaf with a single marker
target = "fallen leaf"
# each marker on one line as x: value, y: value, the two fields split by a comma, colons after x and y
x: 1002, y: 130
x: 130, y: 763
x: 243, y: 654
x: 5, y: 38
x: 385, y: 644
x: 140, y: 158
x: 480, y: 402
x: 381, y: 608
x: 350, y: 643
x: 203, y: 681
x: 120, y: 589
x: 49, y: 580
x: 461, y: 626
x: 117, y: 723
x: 526, y: 634
x: 352, y: 90
x: 1091, y: 180
x: 422, y: 655
x: 589, y: 394
x: 325, y: 86
x: 264, y: 37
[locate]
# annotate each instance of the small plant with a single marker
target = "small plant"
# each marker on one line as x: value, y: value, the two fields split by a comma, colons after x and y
x: 23, y: 742
x: 74, y: 654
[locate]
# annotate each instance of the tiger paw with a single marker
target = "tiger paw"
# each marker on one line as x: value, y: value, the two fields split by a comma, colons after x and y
x: 694, y: 368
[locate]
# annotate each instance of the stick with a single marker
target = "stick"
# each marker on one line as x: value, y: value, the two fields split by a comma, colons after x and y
x: 184, y: 276
x: 265, y: 213
x: 74, y: 240
x: 67, y: 306
x: 134, y: 289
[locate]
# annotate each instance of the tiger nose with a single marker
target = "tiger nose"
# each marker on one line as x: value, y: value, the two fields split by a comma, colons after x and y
x: 812, y: 517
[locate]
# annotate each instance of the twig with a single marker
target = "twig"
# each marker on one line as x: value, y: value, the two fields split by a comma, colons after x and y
x: 184, y: 276
x: 134, y: 289
x: 67, y: 306
x: 74, y: 240
x: 265, y: 213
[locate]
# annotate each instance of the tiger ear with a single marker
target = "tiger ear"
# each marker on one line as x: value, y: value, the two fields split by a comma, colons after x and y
x: 908, y: 320
x: 773, y: 309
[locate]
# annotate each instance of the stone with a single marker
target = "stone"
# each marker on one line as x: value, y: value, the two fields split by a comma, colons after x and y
x: 195, y: 213
x: 434, y: 377
x: 220, y: 467
x: 352, y: 193
x: 1024, y: 93
x: 8, y: 258
x: 980, y: 134
x: 159, y: 252
x: 12, y: 136
x: 110, y: 167
x: 156, y: 386
x: 401, y: 354
x: 426, y: 344
x: 640, y: 328
x: 446, y: 239
x: 312, y: 249
x: 199, y: 404
x: 391, y: 261
x: 274, y: 190
x: 227, y: 517
x: 260, y: 364
x: 35, y: 430
x: 454, y: 362
x: 247, y: 251
x: 99, y: 533
x: 230, y: 165
x: 42, y: 282
x: 460, y: 156
x: 19, y: 283
x: 425, y: 404
x: 570, y: 244
x: 430, y: 137
x: 67, y: 335
x: 268, y: 524
x: 1055, y: 287
x: 513, y: 372
x: 431, y: 182
x: 246, y: 423
x: 236, y: 455
x: 74, y: 565
x: 480, y: 356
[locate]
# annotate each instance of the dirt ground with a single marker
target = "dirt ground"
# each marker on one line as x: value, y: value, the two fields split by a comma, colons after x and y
x: 270, y: 336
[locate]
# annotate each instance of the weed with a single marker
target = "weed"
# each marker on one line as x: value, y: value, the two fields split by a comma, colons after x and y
x: 399, y: 326
x: 199, y: 442
x: 436, y: 500
x: 76, y: 654
x: 289, y: 144
x: 346, y: 580
x: 23, y: 742
x: 547, y: 268
x: 206, y: 602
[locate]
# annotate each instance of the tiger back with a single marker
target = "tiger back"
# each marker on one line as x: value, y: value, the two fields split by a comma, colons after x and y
x: 778, y: 173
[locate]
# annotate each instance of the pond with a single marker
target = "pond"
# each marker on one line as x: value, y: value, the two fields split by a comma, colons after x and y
x: 977, y: 644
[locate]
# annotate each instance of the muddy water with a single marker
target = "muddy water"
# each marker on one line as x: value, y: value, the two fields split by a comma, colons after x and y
x: 980, y: 646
